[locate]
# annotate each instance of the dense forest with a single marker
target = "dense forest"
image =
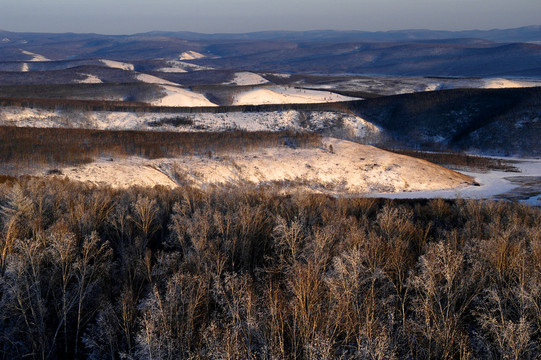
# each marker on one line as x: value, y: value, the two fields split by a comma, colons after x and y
x: 249, y: 273
x: 495, y: 121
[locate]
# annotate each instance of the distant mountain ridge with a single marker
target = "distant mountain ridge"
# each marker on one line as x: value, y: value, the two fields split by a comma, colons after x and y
x: 483, y: 53
x: 530, y: 33
x: 522, y: 34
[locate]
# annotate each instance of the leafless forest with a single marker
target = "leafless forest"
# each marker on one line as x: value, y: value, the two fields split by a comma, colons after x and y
x: 459, y: 161
x: 25, y: 147
x: 97, y: 273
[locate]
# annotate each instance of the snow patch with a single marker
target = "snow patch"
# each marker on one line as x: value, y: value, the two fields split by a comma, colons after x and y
x: 35, y: 57
x: 150, y: 79
x: 187, y: 66
x: 286, y: 95
x: 176, y: 96
x: 432, y: 87
x: 6, y: 40
x: 172, y: 70
x: 500, y: 83
x: 90, y: 79
x: 24, y: 67
x: 281, y: 75
x: 247, y: 78
x: 191, y: 55
x: 118, y: 65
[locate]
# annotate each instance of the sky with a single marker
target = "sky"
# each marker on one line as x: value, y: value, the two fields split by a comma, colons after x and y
x: 234, y: 16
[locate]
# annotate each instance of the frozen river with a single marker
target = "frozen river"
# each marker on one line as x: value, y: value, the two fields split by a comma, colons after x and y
x: 523, y: 186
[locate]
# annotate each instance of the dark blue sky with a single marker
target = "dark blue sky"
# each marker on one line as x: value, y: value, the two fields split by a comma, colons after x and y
x: 211, y: 16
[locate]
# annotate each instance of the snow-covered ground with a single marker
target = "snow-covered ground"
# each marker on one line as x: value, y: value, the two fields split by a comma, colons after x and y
x: 182, y: 66
x: 247, y: 78
x: 350, y: 168
x: 287, y: 95
x: 150, y: 79
x: 280, y: 75
x: 191, y: 55
x: 120, y: 173
x: 500, y: 83
x: 172, y: 70
x: 493, y: 185
x: 35, y: 57
x: 118, y: 65
x: 351, y: 125
x: 390, y: 85
x: 90, y: 79
x: 176, y: 96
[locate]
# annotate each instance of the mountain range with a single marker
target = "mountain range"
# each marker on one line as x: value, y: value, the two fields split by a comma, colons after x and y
x: 484, y: 53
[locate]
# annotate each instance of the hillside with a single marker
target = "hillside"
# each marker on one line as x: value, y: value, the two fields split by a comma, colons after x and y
x: 493, y: 121
x: 489, y: 121
x: 349, y: 168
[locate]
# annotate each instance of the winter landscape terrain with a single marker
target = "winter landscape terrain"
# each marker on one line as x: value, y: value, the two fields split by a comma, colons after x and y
x: 485, y: 104
x: 271, y: 195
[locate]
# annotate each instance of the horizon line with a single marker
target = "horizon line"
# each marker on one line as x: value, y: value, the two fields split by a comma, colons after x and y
x: 272, y: 31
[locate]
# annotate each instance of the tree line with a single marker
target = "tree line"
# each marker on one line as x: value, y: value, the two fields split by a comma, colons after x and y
x: 27, y: 147
x: 133, y: 106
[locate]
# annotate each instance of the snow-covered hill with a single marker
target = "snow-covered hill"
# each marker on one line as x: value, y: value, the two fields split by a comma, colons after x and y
x: 247, y: 78
x: 151, y: 79
x: 287, y: 95
x: 191, y: 55
x: 501, y: 83
x: 176, y: 96
x: 118, y: 65
x: 350, y: 168
x: 35, y: 57
x: 347, y: 125
x: 90, y: 79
